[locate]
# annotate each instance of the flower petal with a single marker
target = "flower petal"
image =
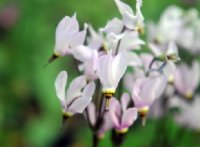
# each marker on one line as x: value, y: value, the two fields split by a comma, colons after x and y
x: 133, y: 59
x: 114, y: 111
x: 60, y: 85
x: 89, y: 89
x: 119, y: 67
x: 75, y: 88
x: 114, y: 26
x: 125, y: 99
x: 82, y: 53
x: 79, y: 104
x: 123, y: 8
x: 129, y: 116
x: 103, y: 69
x: 92, y: 113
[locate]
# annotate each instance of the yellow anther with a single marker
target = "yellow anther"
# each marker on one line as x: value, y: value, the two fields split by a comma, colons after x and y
x: 108, y: 91
x: 139, y: 28
x: 122, y: 131
x: 189, y: 95
x: 171, y: 79
x: 143, y: 111
x: 66, y: 115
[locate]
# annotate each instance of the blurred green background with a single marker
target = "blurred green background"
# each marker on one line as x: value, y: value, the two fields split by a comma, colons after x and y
x: 29, y: 110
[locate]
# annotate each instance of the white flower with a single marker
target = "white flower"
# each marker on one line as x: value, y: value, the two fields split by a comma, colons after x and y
x: 110, y: 70
x: 68, y: 36
x: 131, y: 21
x: 167, y: 52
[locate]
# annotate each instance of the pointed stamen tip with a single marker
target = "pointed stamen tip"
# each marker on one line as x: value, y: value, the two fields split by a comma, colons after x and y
x: 52, y: 58
x: 108, y: 96
x: 143, y: 113
x: 107, y: 103
x: 143, y: 121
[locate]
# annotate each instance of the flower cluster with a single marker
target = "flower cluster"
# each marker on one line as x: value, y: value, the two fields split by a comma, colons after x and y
x: 179, y: 27
x: 108, y: 94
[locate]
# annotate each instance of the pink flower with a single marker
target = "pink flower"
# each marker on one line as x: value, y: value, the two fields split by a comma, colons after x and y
x: 187, y: 79
x: 188, y: 115
x: 146, y: 90
x: 122, y: 116
x: 75, y: 100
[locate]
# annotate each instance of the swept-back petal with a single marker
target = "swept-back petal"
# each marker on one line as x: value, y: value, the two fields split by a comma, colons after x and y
x: 172, y: 49
x: 60, y: 85
x: 78, y: 38
x: 89, y: 89
x: 75, y: 88
x: 114, y: 26
x: 134, y: 59
x: 129, y: 116
x: 196, y: 74
x: 82, y: 53
x: 79, y: 104
x: 123, y: 8
x: 92, y: 113
x: 125, y: 99
x: 103, y: 68
x: 119, y: 67
x: 114, y: 111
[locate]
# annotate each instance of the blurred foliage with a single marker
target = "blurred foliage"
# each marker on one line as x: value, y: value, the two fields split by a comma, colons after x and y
x: 29, y: 110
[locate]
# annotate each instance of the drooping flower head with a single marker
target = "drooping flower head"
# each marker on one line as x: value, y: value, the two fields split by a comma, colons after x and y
x: 110, y: 70
x: 146, y: 90
x: 78, y: 95
x: 188, y: 116
x: 122, y: 116
x: 68, y: 37
x: 187, y: 79
x: 131, y: 21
